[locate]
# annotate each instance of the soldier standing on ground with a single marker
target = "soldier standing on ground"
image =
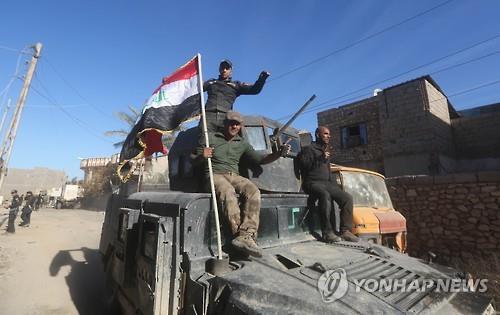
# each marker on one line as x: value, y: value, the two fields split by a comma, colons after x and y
x: 222, y: 93
x: 314, y: 161
x: 13, y: 210
x: 226, y: 150
x: 27, y: 209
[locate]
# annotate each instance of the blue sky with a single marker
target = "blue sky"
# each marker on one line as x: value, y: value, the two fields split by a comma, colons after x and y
x: 101, y: 56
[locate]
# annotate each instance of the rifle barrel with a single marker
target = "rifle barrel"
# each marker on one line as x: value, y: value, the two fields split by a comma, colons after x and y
x: 289, y: 122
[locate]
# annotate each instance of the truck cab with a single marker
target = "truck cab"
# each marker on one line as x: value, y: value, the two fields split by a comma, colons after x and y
x: 374, y: 217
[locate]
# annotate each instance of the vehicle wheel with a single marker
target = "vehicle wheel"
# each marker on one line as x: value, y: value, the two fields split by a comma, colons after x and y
x: 58, y: 205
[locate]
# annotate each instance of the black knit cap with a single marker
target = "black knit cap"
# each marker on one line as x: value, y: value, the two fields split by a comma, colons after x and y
x: 226, y: 62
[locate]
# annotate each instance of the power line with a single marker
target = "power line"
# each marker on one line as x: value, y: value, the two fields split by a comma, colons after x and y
x: 359, y: 41
x: 78, y: 121
x: 23, y: 51
x: 73, y: 88
x: 419, y: 67
x: 52, y: 106
x: 327, y: 102
x: 5, y: 91
x: 471, y: 89
x: 439, y: 99
x: 431, y: 73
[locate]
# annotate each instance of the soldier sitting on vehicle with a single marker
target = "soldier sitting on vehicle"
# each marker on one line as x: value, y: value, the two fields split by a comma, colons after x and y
x: 226, y: 150
x: 314, y: 161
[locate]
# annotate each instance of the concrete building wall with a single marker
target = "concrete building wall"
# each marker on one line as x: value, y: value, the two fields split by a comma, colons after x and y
x: 402, y: 120
x: 439, y: 123
x: 365, y: 112
x: 477, y: 136
x: 438, y: 102
x: 417, y: 132
x: 405, y: 129
x: 35, y: 179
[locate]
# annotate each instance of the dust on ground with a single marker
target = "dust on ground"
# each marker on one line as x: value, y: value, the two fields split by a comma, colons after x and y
x: 53, y: 266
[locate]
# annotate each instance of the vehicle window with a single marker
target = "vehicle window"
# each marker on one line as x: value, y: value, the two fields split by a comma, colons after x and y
x: 149, y: 239
x: 366, y: 189
x: 256, y: 137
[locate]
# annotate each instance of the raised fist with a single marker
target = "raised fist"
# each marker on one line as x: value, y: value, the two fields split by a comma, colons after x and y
x: 264, y: 74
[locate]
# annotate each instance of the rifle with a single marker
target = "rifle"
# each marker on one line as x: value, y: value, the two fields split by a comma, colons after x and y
x: 276, y: 137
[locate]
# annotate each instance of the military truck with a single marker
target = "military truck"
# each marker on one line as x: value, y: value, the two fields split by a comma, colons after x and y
x: 158, y: 248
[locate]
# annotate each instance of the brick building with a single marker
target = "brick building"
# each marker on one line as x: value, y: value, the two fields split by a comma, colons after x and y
x: 90, y: 166
x: 412, y: 128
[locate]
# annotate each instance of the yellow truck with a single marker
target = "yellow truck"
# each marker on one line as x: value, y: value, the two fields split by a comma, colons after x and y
x: 374, y: 217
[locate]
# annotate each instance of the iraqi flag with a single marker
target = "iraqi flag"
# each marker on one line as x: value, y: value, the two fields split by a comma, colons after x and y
x: 177, y: 99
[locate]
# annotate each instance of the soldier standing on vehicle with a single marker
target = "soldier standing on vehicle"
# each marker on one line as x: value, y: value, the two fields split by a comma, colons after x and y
x: 27, y: 209
x: 226, y: 149
x: 13, y: 210
x: 222, y: 93
x: 314, y: 161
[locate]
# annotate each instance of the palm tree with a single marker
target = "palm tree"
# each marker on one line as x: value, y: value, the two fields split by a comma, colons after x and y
x: 130, y: 119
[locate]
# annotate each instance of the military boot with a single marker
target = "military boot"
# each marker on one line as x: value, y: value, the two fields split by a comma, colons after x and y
x: 245, y: 242
x: 330, y: 237
x: 348, y: 236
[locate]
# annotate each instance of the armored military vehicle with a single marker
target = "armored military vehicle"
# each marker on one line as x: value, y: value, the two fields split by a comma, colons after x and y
x: 158, y: 249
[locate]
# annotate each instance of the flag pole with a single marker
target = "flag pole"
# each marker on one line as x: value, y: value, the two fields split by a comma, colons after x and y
x: 210, y: 171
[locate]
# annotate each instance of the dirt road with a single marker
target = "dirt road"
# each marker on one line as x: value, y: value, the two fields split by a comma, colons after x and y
x: 53, y: 266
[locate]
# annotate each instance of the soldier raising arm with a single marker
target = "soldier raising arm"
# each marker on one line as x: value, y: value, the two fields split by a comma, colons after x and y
x: 223, y: 91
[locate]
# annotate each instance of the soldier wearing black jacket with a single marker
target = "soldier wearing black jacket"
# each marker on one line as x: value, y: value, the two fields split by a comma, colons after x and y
x: 314, y: 161
x: 13, y: 210
x: 222, y: 93
x: 29, y: 204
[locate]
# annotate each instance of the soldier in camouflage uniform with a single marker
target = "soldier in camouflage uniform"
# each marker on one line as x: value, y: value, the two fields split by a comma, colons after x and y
x: 226, y: 149
x: 13, y: 210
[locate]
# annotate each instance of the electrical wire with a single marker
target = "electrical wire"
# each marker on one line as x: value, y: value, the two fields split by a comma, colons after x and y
x: 5, y: 91
x: 359, y: 41
x: 327, y: 103
x: 469, y: 90
x: 359, y: 97
x: 23, y: 51
x: 431, y: 73
x: 52, y: 101
x: 73, y: 88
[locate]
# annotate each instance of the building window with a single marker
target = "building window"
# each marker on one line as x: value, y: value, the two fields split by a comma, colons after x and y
x: 353, y: 136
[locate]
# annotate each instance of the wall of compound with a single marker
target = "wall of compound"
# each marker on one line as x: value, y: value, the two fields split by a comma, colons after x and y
x: 455, y: 216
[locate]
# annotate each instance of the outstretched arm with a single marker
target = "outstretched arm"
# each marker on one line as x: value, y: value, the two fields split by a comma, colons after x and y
x: 252, y: 89
x: 283, y: 150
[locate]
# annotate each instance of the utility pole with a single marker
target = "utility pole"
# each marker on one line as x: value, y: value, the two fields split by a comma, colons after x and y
x: 5, y: 114
x: 10, y: 136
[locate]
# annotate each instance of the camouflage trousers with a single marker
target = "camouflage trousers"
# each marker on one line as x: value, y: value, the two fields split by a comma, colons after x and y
x: 246, y: 219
